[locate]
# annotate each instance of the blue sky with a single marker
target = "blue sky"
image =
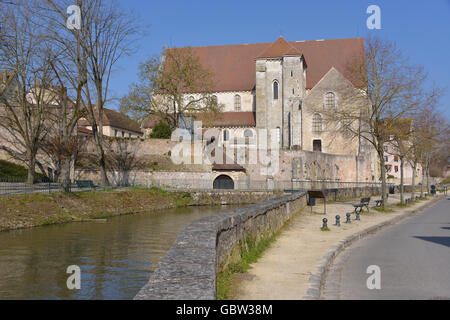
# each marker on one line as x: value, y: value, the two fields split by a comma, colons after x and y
x: 420, y: 28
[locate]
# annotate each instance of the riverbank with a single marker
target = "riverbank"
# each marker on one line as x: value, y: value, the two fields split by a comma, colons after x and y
x: 287, y: 268
x: 39, y: 209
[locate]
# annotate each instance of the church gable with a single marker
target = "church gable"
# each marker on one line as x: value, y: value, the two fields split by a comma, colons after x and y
x: 278, y: 49
x: 330, y: 92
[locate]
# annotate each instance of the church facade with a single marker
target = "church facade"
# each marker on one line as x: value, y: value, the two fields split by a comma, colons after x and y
x: 280, y: 87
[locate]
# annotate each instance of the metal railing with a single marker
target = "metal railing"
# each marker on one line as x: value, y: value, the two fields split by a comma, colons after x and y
x: 12, y: 186
x: 17, y: 186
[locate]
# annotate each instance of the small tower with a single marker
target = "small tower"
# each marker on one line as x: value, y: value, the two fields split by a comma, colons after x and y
x: 280, y: 88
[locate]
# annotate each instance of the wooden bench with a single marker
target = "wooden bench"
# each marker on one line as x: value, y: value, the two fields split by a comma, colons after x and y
x: 85, y: 184
x: 364, y: 203
x: 379, y: 203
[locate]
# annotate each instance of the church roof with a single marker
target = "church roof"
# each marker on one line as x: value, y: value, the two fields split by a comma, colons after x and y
x: 278, y: 49
x: 227, y: 119
x: 234, y: 65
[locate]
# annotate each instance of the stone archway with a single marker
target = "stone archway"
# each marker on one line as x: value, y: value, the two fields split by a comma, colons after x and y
x: 223, y: 182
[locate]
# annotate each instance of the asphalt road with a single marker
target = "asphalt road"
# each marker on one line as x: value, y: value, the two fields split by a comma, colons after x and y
x: 413, y: 256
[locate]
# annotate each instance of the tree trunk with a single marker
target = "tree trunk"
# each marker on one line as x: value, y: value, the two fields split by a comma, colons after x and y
x: 66, y: 175
x: 101, y: 157
x: 402, y: 162
x: 413, y: 182
x: 383, y: 174
x: 421, y: 184
x: 31, y: 168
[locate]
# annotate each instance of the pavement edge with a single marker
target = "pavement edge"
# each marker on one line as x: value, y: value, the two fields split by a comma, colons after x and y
x: 317, y: 280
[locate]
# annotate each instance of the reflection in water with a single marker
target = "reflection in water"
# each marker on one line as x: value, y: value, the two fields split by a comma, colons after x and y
x: 116, y: 258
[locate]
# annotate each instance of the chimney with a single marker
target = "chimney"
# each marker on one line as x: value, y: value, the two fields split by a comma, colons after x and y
x: 37, y: 84
x: 50, y: 84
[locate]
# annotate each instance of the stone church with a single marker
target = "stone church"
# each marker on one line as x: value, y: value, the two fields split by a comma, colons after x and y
x: 278, y: 86
x: 284, y: 87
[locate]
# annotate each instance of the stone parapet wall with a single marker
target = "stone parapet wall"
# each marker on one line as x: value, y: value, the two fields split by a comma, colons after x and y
x: 214, y: 197
x: 207, y: 246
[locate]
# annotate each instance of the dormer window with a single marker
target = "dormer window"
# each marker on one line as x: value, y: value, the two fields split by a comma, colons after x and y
x: 275, y: 90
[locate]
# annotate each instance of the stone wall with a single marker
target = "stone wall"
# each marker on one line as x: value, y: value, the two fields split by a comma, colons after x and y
x: 207, y: 246
x: 232, y: 197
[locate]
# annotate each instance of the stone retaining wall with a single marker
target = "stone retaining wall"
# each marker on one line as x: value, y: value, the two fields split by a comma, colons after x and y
x: 205, y: 247
x: 221, y: 197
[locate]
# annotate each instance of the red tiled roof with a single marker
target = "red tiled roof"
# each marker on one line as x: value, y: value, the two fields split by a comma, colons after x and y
x: 117, y: 120
x: 84, y: 130
x: 227, y: 119
x: 234, y: 65
x: 227, y: 164
x: 278, y: 49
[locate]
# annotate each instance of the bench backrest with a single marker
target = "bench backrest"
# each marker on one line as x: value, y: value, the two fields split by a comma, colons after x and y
x: 84, y: 183
x: 365, y: 200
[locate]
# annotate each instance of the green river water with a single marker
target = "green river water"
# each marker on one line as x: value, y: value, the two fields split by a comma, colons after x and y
x: 116, y: 257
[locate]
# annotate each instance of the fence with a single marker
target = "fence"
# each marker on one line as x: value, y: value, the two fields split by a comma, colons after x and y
x: 17, y: 186
x: 11, y: 186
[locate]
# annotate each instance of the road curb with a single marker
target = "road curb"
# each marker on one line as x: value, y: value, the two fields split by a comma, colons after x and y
x: 317, y: 280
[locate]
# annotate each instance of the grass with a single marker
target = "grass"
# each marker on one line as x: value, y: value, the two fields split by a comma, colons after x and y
x: 30, y: 210
x: 251, y: 251
x: 385, y: 210
x: 325, y: 229
x: 445, y: 181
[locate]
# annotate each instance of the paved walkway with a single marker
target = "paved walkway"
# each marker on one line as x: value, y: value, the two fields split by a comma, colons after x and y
x: 283, y: 272
x: 413, y: 257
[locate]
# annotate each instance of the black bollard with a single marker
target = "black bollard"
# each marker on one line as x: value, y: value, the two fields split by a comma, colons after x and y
x: 357, y: 215
x: 348, y: 218
x: 325, y: 220
x: 338, y: 220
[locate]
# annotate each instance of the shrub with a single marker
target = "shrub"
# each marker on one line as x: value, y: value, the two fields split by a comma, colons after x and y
x: 161, y: 131
x: 15, y: 172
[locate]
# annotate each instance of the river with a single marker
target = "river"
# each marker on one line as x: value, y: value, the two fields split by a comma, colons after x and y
x: 116, y: 257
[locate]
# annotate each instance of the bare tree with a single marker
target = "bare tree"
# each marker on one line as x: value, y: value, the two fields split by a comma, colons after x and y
x: 24, y: 97
x: 106, y: 34
x: 390, y: 89
x: 430, y: 141
x: 122, y: 159
x: 171, y: 86
x: 400, y: 145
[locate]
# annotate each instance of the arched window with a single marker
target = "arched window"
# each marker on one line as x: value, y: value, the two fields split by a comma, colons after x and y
x: 237, y: 103
x: 330, y: 100
x: 275, y: 90
x: 226, y: 135
x: 278, y: 134
x: 317, y: 123
x: 248, y: 133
